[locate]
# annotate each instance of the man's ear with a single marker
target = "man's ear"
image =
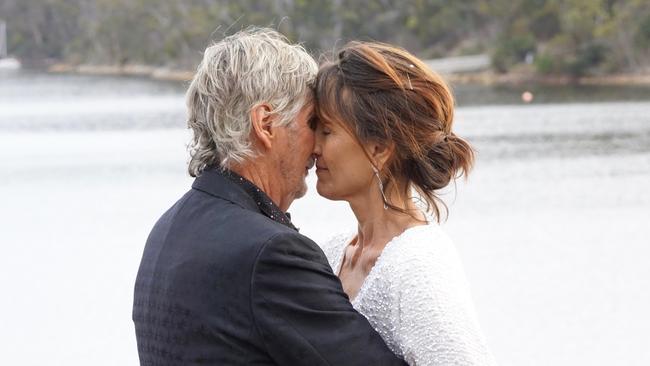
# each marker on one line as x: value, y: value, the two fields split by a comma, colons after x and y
x: 262, y: 122
x: 380, y: 153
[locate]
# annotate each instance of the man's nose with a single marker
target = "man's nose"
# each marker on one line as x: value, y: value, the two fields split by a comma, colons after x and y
x: 317, y: 150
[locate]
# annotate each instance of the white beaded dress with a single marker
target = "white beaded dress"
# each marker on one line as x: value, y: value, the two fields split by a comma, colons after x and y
x: 417, y: 297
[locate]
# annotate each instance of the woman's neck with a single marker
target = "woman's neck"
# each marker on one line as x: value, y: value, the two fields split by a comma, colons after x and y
x: 377, y: 225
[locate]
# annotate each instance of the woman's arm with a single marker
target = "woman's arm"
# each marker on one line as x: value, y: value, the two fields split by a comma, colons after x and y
x: 436, y: 322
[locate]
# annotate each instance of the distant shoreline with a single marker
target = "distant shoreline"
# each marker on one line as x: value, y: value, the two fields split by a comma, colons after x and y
x: 483, y: 78
x: 153, y: 72
x: 515, y: 79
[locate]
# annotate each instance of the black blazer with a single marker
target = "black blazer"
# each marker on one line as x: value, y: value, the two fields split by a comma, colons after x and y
x: 222, y: 284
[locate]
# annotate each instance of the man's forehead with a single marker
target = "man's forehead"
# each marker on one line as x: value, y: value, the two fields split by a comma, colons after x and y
x: 309, y: 108
x: 310, y: 104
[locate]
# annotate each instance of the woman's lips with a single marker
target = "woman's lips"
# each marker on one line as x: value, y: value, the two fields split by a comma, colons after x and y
x: 319, y: 167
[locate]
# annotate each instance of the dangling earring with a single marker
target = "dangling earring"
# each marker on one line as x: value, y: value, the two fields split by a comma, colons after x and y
x: 381, y: 186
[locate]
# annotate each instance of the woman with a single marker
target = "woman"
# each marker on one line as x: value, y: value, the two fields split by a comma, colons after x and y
x: 383, y: 130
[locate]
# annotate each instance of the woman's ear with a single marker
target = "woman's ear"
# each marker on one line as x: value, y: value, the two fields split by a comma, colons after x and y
x: 380, y: 153
x: 262, y: 122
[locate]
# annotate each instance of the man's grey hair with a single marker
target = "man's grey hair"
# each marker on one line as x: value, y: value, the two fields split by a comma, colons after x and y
x: 238, y: 73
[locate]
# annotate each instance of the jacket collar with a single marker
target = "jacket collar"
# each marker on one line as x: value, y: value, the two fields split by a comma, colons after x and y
x: 234, y: 188
x: 213, y: 182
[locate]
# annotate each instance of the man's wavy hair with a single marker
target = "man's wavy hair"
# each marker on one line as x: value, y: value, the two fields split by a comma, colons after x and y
x: 238, y: 73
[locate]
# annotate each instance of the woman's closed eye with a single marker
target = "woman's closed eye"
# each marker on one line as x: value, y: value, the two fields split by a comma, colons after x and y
x: 322, y: 129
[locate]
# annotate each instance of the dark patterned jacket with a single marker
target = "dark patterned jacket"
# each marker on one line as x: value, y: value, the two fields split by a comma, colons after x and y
x: 223, y: 283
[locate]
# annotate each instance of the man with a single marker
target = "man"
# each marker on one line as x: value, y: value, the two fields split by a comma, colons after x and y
x: 225, y: 278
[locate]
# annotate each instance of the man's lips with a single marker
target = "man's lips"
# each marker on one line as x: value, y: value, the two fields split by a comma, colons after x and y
x: 310, y: 163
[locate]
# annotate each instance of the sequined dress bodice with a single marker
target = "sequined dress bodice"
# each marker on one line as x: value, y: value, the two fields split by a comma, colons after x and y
x: 417, y: 297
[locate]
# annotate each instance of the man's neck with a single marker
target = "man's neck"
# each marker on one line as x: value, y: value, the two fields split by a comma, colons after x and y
x: 264, y: 179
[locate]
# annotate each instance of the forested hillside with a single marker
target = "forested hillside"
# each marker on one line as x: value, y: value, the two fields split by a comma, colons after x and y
x: 569, y: 37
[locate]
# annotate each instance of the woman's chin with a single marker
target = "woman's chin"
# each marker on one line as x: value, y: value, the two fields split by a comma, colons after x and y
x: 324, y: 192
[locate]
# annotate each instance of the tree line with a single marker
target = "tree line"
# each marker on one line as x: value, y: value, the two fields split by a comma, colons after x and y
x: 565, y: 37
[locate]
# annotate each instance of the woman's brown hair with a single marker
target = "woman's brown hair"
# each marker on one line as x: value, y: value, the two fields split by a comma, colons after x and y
x: 381, y: 93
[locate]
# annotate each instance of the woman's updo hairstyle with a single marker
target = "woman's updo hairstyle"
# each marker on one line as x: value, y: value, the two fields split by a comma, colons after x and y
x: 383, y: 94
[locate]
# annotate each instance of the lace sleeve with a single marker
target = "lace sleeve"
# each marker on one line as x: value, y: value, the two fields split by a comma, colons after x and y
x: 437, y: 324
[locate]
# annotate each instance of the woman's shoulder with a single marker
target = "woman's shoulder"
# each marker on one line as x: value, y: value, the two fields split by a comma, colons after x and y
x: 336, y: 241
x: 334, y: 245
x: 420, y: 256
x: 421, y: 244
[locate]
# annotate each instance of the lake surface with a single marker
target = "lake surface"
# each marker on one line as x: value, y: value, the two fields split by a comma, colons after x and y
x: 553, y: 225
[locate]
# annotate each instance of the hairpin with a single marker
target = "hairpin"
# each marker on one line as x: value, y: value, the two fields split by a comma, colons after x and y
x: 409, y: 78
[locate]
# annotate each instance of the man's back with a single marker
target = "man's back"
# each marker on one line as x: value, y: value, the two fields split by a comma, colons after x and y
x: 221, y: 283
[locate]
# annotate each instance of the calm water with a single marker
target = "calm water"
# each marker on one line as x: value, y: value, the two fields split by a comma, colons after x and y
x: 552, y: 225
